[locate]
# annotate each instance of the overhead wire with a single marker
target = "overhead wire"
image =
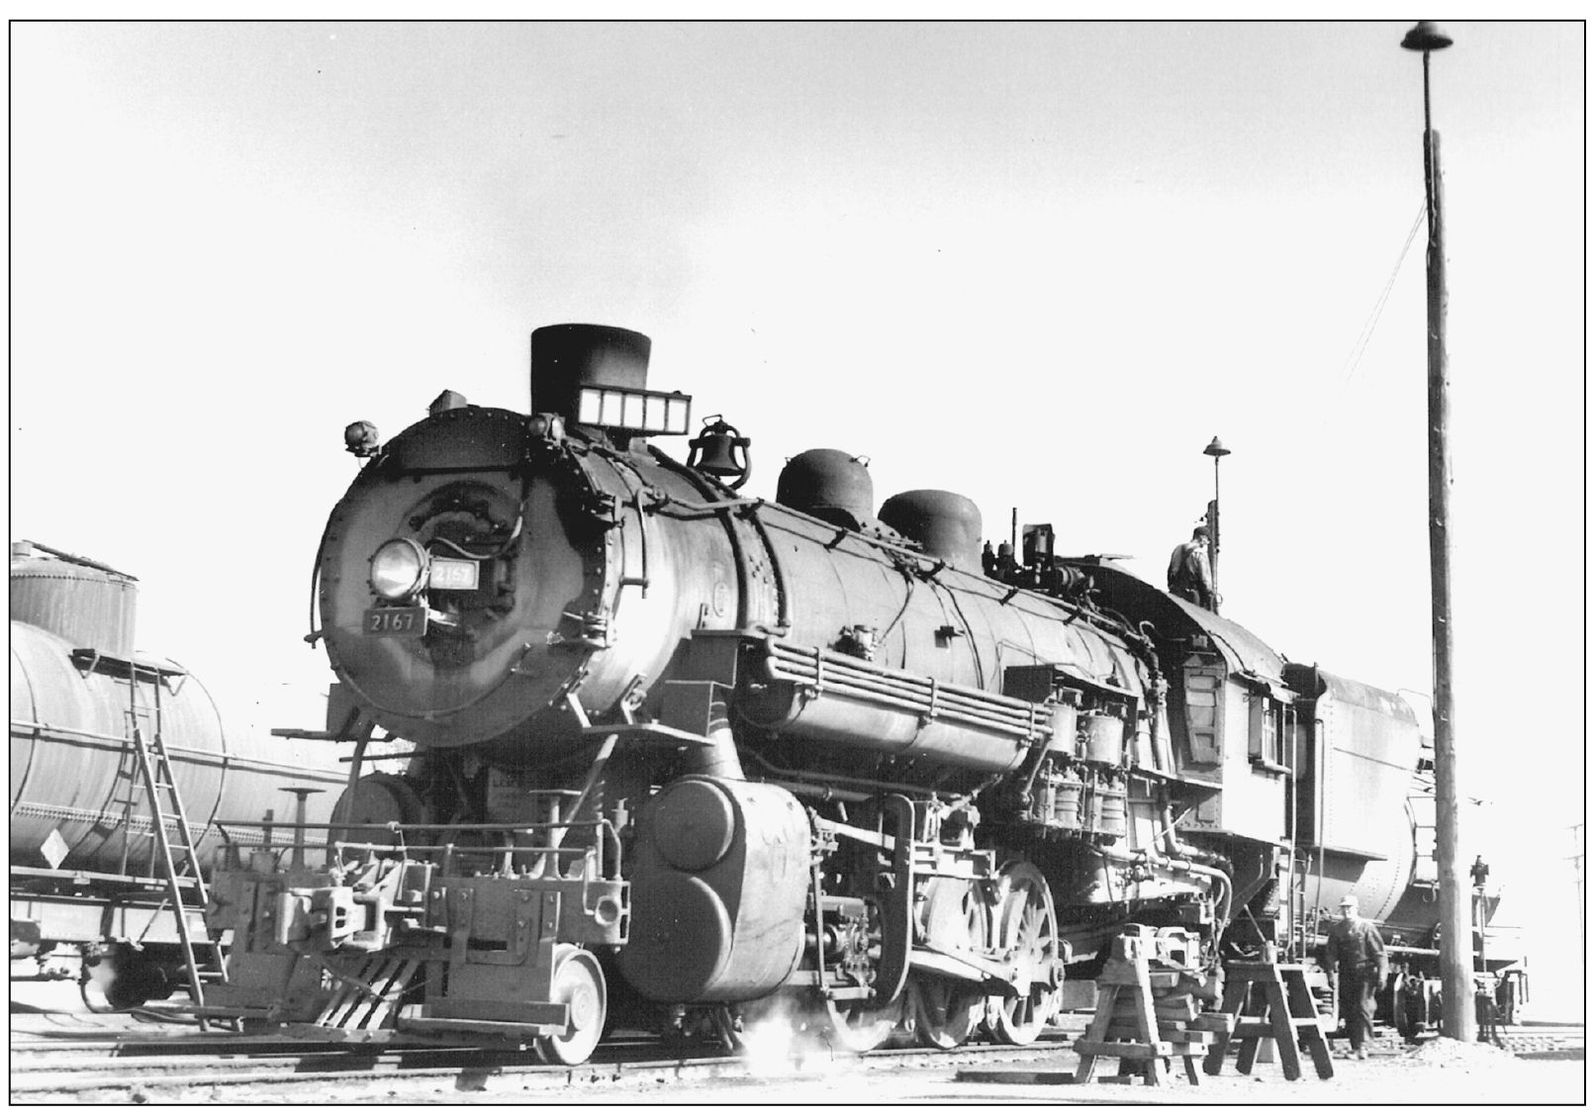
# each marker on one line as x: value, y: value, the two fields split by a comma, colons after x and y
x: 1355, y: 358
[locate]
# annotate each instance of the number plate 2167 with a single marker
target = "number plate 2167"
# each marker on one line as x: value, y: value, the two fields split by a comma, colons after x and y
x: 396, y: 622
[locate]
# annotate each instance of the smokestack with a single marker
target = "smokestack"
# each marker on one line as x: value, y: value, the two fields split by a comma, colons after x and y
x: 569, y: 357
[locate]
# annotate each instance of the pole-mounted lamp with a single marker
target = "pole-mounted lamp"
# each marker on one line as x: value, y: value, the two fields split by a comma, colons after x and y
x: 1215, y: 450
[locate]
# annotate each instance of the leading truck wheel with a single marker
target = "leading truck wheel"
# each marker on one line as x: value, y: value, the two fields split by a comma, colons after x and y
x: 1026, y: 933
x: 120, y: 979
x: 578, y: 984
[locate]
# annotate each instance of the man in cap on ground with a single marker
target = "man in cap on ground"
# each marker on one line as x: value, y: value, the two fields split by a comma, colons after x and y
x: 1189, y: 575
x: 1355, y: 953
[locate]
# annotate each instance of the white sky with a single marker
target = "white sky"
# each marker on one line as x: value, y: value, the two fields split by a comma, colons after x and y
x: 1039, y: 264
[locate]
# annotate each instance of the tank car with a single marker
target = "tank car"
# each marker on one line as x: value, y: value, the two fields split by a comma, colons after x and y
x: 693, y: 758
x: 87, y: 897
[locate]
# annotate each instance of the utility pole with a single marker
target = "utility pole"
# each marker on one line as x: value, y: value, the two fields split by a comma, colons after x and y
x: 1457, y: 932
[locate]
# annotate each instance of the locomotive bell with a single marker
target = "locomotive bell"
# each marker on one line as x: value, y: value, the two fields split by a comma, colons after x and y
x: 715, y: 451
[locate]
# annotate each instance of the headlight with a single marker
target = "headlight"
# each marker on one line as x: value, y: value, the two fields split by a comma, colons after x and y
x: 398, y: 568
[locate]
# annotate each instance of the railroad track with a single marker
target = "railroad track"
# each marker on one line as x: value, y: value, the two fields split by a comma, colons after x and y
x: 167, y: 1068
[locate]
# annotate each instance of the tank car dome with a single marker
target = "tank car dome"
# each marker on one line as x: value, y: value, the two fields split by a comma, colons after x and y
x: 946, y: 524
x: 831, y: 485
x: 87, y: 605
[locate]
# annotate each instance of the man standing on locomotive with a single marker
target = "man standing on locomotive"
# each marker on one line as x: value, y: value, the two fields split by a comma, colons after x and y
x: 1355, y: 953
x: 1189, y: 576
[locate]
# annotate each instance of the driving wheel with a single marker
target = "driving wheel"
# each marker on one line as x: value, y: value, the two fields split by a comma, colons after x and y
x: 1027, y: 934
x: 956, y: 918
x: 855, y: 1027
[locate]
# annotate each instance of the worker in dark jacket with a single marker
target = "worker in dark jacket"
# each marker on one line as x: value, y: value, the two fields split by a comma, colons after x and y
x: 1356, y: 955
x: 1189, y: 575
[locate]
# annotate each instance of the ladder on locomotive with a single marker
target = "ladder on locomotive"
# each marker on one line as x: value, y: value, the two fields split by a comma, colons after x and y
x: 177, y: 862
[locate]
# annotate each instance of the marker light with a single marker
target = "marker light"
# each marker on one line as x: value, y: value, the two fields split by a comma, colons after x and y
x: 398, y: 569
x: 634, y: 410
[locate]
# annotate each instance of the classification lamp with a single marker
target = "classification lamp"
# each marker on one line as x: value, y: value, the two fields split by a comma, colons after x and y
x: 633, y: 409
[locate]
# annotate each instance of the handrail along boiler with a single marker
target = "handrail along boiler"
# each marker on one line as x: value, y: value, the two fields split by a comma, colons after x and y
x: 686, y: 757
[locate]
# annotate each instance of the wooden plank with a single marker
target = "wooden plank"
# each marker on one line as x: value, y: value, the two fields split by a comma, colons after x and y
x: 1247, y: 1055
x: 1118, y: 973
x: 1177, y: 1035
x: 1297, y: 995
x: 1235, y: 995
x: 1285, y: 1034
x: 1319, y: 1051
x: 1254, y: 971
x: 1107, y: 1000
x: 1159, y: 1049
x: 1305, y: 1017
x: 1176, y: 1008
x: 1142, y: 997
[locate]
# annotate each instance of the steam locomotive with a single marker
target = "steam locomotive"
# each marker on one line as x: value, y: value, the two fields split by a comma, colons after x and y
x: 689, y: 758
x: 89, y: 898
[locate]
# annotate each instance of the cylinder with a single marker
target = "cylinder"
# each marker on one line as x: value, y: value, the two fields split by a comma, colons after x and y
x: 1102, y: 738
x: 719, y: 882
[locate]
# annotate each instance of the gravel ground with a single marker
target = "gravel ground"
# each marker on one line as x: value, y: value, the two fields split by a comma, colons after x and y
x: 1441, y: 1072
x: 1438, y: 1072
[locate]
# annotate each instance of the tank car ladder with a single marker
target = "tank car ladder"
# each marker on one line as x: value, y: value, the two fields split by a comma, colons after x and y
x: 166, y: 810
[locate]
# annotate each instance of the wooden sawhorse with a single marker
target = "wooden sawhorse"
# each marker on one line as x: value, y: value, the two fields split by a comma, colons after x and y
x: 1288, y: 1017
x: 1127, y: 1026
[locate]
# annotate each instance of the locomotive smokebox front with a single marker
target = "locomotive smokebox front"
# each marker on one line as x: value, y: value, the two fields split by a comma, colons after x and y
x: 488, y: 569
